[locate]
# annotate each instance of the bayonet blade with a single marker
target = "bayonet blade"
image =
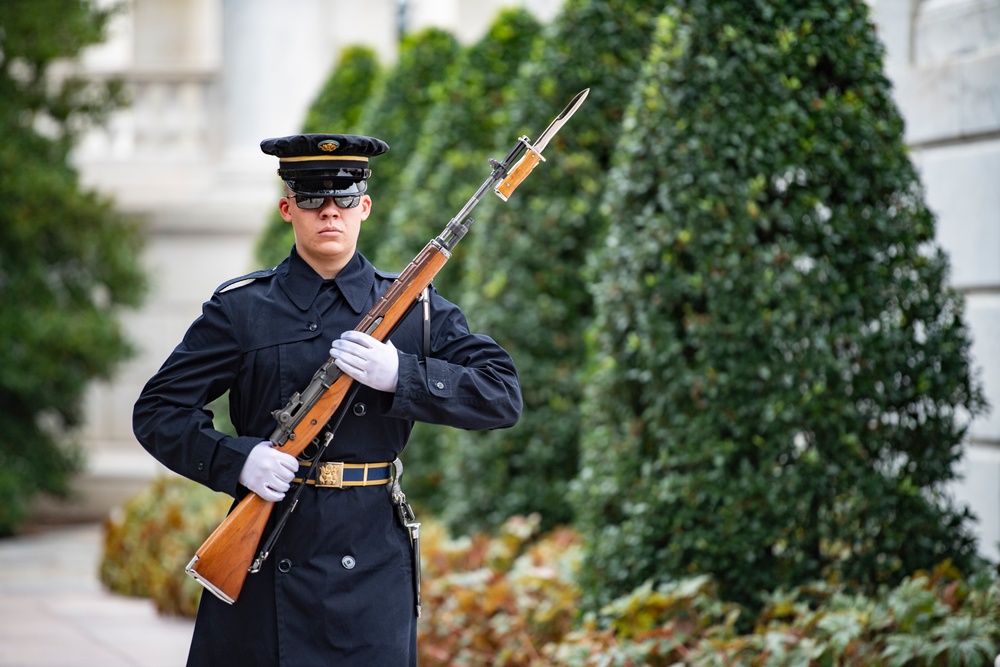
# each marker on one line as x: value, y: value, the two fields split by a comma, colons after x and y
x: 533, y: 156
x: 560, y: 120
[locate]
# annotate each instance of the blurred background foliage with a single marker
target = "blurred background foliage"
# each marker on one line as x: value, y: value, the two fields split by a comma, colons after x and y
x: 746, y: 379
x: 781, y: 378
x: 395, y: 112
x: 150, y: 540
x: 68, y: 262
x: 537, y: 245
x: 512, y: 598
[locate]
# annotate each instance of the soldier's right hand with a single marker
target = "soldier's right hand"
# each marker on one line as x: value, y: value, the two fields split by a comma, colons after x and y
x: 268, y: 472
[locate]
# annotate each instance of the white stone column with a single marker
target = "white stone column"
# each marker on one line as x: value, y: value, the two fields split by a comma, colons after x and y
x: 943, y: 57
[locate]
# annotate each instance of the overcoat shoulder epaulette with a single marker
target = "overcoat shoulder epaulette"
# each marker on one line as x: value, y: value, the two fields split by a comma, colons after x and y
x: 242, y: 281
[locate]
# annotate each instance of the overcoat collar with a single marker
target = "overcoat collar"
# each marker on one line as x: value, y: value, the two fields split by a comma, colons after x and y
x: 302, y: 284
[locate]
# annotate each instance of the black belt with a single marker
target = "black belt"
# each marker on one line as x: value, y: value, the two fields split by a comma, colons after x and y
x: 337, y: 475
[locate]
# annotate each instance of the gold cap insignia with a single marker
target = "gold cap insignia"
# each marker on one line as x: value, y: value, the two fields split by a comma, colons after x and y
x: 328, y: 146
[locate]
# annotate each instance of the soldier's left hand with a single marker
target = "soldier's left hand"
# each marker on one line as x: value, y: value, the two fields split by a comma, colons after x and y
x: 369, y: 361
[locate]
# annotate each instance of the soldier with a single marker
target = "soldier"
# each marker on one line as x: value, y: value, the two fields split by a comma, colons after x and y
x: 338, y: 587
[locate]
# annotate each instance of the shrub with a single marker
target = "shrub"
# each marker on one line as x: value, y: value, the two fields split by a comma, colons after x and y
x: 455, y: 141
x: 523, y: 275
x: 68, y: 260
x: 782, y: 377
x: 513, y: 600
x: 395, y: 113
x: 150, y: 540
x: 338, y: 106
x: 496, y: 600
x: 929, y: 619
x: 449, y: 163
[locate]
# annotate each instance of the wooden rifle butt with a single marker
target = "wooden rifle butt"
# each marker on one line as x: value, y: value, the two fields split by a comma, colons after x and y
x: 222, y: 562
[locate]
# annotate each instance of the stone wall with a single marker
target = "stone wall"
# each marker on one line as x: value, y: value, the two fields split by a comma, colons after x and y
x: 943, y: 57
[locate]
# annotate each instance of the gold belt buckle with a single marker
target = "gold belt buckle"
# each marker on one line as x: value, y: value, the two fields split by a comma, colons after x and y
x: 330, y: 475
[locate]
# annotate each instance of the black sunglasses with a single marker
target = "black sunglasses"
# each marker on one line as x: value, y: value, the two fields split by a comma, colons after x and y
x: 307, y: 203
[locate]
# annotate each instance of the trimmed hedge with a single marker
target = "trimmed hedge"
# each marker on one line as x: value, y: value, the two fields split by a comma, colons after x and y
x: 338, y: 107
x: 395, y: 113
x: 781, y: 373
x: 525, y: 285
x: 449, y: 162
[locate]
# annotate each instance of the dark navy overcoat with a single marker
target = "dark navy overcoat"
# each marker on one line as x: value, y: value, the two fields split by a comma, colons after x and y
x: 338, y: 586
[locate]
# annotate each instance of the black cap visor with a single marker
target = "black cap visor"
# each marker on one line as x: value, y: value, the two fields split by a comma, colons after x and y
x: 326, y: 187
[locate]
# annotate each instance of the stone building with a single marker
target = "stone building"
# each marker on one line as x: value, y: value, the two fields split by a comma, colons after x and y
x: 211, y: 78
x: 944, y: 62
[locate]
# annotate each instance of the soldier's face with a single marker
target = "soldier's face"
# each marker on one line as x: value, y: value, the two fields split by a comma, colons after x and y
x: 326, y: 237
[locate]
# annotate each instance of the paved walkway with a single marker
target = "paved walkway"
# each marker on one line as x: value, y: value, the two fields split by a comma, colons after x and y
x: 55, y: 613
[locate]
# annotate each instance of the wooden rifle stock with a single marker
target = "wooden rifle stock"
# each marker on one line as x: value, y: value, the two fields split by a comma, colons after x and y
x: 222, y: 563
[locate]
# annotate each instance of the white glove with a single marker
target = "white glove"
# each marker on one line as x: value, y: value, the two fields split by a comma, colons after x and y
x: 268, y: 472
x: 369, y: 361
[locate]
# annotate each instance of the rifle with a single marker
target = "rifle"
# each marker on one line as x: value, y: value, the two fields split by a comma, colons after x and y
x: 223, y: 561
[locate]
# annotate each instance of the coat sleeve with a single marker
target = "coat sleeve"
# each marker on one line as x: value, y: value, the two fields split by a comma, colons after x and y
x: 468, y: 381
x: 170, y: 419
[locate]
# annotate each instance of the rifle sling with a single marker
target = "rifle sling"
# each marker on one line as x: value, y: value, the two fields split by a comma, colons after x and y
x: 272, y: 538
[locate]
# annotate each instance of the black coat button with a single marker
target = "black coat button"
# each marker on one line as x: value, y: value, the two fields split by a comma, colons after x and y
x: 360, y: 409
x: 284, y: 565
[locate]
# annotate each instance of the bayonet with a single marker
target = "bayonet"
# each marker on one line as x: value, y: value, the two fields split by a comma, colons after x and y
x: 533, y: 155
